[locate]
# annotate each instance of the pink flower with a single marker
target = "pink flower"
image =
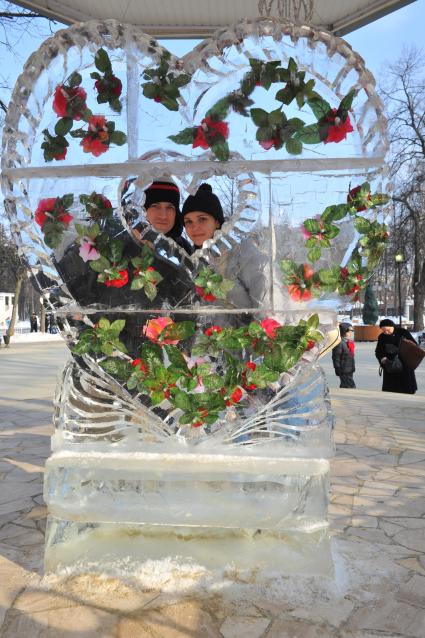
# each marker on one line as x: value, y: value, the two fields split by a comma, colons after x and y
x: 154, y: 327
x: 269, y: 326
x: 88, y: 251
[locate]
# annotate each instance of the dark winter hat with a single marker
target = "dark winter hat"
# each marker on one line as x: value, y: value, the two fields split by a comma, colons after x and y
x: 344, y: 328
x: 206, y: 202
x: 386, y: 322
x: 163, y: 191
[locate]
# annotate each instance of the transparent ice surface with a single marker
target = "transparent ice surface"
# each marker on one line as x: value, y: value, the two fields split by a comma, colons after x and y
x: 268, y: 454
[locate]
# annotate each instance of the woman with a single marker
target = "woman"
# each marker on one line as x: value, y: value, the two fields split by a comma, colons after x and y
x: 202, y: 215
x: 343, y: 357
x: 244, y: 264
x: 386, y: 350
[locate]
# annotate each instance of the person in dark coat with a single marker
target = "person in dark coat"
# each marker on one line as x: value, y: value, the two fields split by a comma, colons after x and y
x: 343, y: 357
x: 162, y: 206
x: 386, y: 349
x: 33, y: 323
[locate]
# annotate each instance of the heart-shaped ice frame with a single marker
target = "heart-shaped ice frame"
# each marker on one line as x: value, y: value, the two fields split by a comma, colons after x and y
x: 217, y: 66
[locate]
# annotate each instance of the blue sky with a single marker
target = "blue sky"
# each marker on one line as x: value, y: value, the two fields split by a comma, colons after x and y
x: 379, y: 43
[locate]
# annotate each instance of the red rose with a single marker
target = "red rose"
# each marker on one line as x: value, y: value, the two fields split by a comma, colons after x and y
x: 298, y: 293
x: 310, y: 344
x: 209, y: 331
x: 352, y: 196
x: 93, y: 146
x: 44, y: 206
x: 251, y: 365
x: 206, y: 297
x: 121, y: 281
x: 210, y: 129
x: 40, y: 217
x: 269, y: 326
x: 338, y: 128
x: 60, y: 156
x: 236, y: 395
x: 69, y: 101
x: 150, y: 269
x: 65, y: 218
x: 268, y: 144
x: 138, y: 363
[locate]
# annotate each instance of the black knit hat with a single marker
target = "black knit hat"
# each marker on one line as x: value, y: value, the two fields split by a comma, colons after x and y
x: 163, y: 191
x: 206, y: 202
x: 344, y: 328
x: 386, y: 322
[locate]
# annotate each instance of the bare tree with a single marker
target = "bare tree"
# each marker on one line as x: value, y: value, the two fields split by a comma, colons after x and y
x: 404, y: 97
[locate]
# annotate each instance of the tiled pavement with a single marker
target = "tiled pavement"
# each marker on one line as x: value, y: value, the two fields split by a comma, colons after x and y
x: 377, y: 522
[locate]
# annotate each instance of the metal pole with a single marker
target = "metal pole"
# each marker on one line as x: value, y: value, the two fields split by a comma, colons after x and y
x: 399, y: 292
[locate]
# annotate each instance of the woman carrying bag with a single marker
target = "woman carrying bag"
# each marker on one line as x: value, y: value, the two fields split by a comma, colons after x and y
x: 397, y: 377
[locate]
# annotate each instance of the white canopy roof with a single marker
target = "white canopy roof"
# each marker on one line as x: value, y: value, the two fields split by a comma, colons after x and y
x: 198, y: 18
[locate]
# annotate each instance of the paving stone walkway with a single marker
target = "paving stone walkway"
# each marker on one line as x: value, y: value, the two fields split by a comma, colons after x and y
x: 377, y: 523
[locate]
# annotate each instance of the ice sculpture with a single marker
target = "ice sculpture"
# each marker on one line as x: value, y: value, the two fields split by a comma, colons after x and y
x: 193, y: 417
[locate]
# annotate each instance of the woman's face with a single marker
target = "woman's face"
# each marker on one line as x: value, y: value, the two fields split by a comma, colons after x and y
x: 162, y: 216
x: 388, y: 330
x: 200, y: 226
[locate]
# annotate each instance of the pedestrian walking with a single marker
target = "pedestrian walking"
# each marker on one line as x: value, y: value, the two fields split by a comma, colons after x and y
x: 397, y: 377
x: 33, y: 323
x: 343, y: 357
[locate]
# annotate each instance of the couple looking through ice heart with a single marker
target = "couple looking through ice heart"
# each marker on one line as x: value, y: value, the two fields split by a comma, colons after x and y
x: 201, y: 214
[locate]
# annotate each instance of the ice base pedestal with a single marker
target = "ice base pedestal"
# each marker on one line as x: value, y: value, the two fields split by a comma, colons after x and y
x: 214, y: 509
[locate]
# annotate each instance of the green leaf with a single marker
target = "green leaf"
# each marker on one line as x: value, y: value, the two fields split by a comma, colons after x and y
x: 118, y: 137
x: 180, y: 330
x: 117, y: 368
x: 259, y: 117
x: 63, y: 126
x: 346, y: 102
x: 362, y: 225
x: 117, y: 326
x: 100, y: 265
x: 294, y: 147
x: 221, y: 151
x: 186, y: 136
x: 150, y: 290
x: 319, y: 107
x: 176, y: 358
x: 170, y: 103
x: 75, y: 79
x: 313, y: 321
x: 181, y: 401
x: 285, y: 95
x: 308, y: 134
x: 220, y: 109
x: 212, y: 382
x: 312, y: 225
x: 276, y: 117
x: 314, y: 253
x: 102, y: 61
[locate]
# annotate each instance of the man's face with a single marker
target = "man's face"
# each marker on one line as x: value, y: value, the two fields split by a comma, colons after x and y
x: 388, y: 330
x: 162, y: 216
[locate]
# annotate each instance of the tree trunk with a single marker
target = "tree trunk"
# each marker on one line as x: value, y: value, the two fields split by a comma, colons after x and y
x: 418, y: 295
x: 11, y: 329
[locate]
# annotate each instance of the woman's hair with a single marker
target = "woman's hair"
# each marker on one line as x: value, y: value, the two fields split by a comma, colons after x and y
x: 204, y: 201
x: 386, y: 322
